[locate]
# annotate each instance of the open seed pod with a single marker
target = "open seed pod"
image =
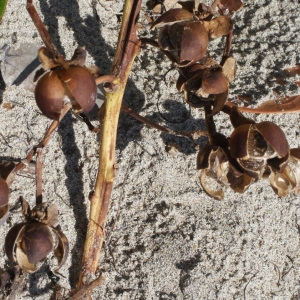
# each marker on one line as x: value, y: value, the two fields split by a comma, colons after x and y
x: 214, y: 176
x: 49, y: 94
x: 32, y: 243
x: 186, y: 41
x: 81, y: 87
x: 218, y: 171
x: 263, y: 140
x: 29, y: 243
x: 255, y: 145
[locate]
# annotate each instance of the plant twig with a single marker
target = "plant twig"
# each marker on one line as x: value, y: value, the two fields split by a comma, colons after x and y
x: 127, y: 49
x: 38, y: 176
x: 45, y: 140
x: 86, y: 290
x: 44, y: 32
x: 189, y: 135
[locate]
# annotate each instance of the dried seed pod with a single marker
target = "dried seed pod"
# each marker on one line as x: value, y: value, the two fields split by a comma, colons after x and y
x: 214, y: 177
x: 219, y: 26
x: 49, y: 94
x: 173, y: 16
x: 186, y: 41
x: 76, y: 82
x: 29, y: 243
x: 263, y: 140
x: 274, y: 136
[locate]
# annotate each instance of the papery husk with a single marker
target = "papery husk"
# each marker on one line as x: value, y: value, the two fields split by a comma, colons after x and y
x: 229, y: 68
x: 61, y: 250
x: 214, y: 177
x: 46, y: 59
x: 284, y: 182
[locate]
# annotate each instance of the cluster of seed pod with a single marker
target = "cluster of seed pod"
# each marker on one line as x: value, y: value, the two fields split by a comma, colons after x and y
x: 253, y: 151
x: 184, y: 36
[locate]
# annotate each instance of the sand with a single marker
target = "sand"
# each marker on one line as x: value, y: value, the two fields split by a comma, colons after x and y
x: 166, y: 239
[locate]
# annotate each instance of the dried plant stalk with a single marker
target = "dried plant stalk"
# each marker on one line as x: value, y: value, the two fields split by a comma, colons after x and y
x: 127, y: 49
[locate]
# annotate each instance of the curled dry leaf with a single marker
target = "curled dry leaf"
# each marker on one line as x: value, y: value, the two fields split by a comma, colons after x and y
x: 292, y: 71
x: 285, y: 105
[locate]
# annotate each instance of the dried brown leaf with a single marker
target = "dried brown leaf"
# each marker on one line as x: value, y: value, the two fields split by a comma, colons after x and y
x: 288, y: 104
x: 292, y: 71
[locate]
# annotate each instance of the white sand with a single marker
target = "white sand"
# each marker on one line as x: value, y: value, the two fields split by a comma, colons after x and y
x: 166, y: 239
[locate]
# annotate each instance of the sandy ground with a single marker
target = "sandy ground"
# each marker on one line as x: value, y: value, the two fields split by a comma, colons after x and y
x: 166, y: 239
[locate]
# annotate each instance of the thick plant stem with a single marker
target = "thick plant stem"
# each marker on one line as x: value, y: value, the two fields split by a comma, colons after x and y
x: 127, y: 49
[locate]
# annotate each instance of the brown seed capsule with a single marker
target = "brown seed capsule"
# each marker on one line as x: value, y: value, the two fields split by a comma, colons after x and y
x: 76, y: 82
x: 263, y: 140
x: 187, y: 41
x: 28, y: 244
